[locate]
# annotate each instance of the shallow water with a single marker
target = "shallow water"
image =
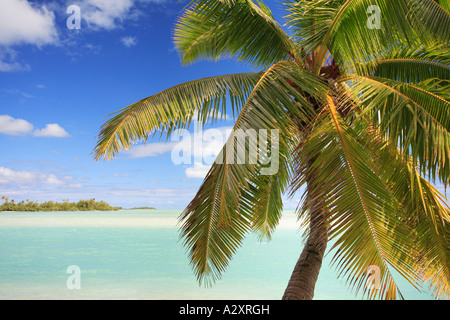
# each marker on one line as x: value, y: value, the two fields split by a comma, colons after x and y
x: 137, y: 255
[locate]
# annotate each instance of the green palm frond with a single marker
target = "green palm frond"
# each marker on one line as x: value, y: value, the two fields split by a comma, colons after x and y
x: 433, y: 16
x: 414, y: 66
x: 425, y: 211
x: 346, y: 29
x: 432, y: 238
x: 267, y: 202
x: 411, y: 115
x: 310, y: 21
x: 417, y: 217
x: 173, y: 108
x: 215, y: 222
x: 364, y: 215
x: 444, y: 4
x: 239, y: 29
x: 228, y: 203
x: 226, y: 207
x: 367, y: 139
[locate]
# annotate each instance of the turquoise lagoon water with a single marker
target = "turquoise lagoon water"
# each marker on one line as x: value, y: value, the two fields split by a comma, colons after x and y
x: 138, y: 255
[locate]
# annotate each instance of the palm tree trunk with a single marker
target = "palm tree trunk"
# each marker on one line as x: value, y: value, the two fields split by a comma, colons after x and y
x: 306, y: 271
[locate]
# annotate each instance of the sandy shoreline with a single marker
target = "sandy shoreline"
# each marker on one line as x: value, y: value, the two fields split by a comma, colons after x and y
x: 107, y: 219
x: 52, y: 219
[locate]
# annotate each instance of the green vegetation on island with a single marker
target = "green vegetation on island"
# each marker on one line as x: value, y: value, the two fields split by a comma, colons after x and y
x: 82, y: 205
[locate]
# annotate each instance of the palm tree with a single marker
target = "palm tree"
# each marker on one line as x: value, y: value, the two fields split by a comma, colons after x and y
x: 360, y: 98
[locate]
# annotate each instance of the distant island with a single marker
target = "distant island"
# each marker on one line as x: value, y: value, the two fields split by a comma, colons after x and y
x: 142, y: 208
x: 82, y: 205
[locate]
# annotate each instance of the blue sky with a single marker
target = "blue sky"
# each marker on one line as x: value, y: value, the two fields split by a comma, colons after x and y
x: 57, y: 85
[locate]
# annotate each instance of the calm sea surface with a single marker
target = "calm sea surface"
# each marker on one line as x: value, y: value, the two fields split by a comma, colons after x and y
x: 137, y: 255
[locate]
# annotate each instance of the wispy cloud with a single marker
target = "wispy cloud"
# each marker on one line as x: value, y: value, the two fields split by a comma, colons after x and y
x: 121, y: 175
x: 95, y: 49
x: 129, y: 41
x: 21, y: 96
x: 111, y: 14
x: 150, y: 149
x: 75, y: 186
x: 9, y: 63
x: 105, y: 14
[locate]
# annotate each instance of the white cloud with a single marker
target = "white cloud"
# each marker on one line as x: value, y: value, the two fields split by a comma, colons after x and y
x: 26, y: 178
x: 109, y: 14
x: 95, y: 49
x: 202, y: 145
x: 121, y: 175
x: 15, y: 127
x: 105, y: 14
x: 32, y: 23
x: 8, y: 176
x: 22, y: 23
x: 199, y: 170
x: 199, y: 148
x: 75, y: 186
x: 129, y: 41
x: 150, y: 149
x: 51, y: 130
x: 53, y: 180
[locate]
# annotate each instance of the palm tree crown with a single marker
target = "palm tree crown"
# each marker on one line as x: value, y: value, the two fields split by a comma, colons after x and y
x: 359, y: 93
